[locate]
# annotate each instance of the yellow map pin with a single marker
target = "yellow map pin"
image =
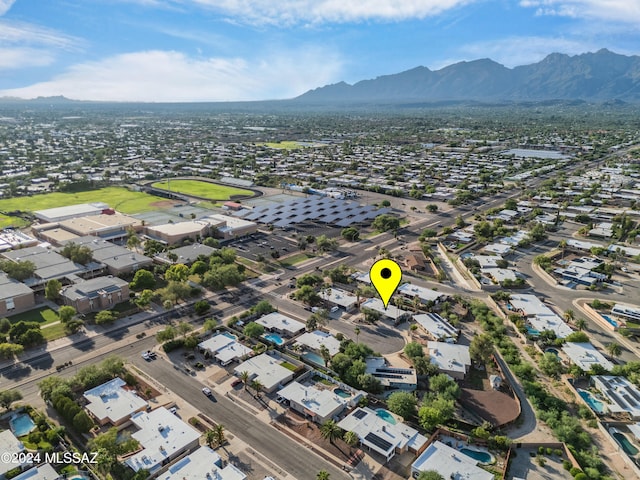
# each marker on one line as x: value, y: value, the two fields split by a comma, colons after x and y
x: 385, y: 275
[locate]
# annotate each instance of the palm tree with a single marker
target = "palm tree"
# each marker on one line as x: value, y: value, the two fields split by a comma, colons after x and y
x: 219, y: 435
x: 350, y: 438
x: 614, y: 349
x: 330, y: 431
x: 257, y: 386
x: 563, y: 245
x: 569, y: 316
x: 210, y: 437
x: 357, y: 332
x: 581, y: 324
x: 244, y: 376
x: 326, y: 356
x: 322, y: 475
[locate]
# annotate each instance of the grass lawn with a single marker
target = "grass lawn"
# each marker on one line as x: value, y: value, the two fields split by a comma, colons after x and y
x: 295, y: 259
x: 199, y: 188
x: 44, y: 316
x: 12, y: 222
x: 119, y: 198
x: 54, y: 332
x: 289, y: 366
x: 284, y: 145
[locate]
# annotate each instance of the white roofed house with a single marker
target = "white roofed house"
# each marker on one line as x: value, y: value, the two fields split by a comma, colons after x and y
x: 585, y: 356
x: 317, y: 339
x: 391, y: 312
x: 381, y: 436
x: 203, y: 464
x: 425, y: 295
x: 276, y: 322
x: 10, y: 444
x: 163, y: 438
x: 437, y: 327
x: 454, y: 360
x: 267, y: 370
x: 112, y: 403
x: 225, y: 348
x: 391, y: 378
x: 319, y: 405
x: 339, y: 298
x: 448, y: 462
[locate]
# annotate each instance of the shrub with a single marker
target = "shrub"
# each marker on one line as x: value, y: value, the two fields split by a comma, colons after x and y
x: 172, y: 345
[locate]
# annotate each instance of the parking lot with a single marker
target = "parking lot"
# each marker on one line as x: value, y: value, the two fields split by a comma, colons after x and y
x: 263, y: 244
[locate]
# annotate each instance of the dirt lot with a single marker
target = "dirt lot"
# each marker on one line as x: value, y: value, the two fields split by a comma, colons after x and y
x: 525, y: 465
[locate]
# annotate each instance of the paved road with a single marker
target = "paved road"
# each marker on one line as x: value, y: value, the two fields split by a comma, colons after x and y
x: 279, y: 448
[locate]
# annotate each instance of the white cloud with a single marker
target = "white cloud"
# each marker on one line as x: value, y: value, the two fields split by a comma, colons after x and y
x: 515, y: 51
x: 5, y: 6
x: 21, y: 57
x: 156, y: 76
x: 320, y: 11
x: 626, y: 11
x: 13, y: 32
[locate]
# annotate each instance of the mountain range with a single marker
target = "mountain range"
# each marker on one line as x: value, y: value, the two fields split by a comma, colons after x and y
x: 594, y: 77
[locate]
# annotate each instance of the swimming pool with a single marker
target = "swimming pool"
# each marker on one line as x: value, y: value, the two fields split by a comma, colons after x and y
x: 273, y: 338
x: 482, y: 457
x: 610, y: 320
x: 624, y: 442
x: 386, y: 416
x: 21, y: 425
x: 595, y: 404
x: 341, y: 393
x: 552, y: 350
x: 533, y: 331
x: 229, y: 335
x: 313, y: 358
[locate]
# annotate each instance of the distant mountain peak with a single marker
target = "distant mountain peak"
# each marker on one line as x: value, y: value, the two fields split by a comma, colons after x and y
x: 599, y: 76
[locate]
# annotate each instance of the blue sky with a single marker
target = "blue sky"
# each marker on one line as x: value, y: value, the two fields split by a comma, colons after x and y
x: 228, y: 50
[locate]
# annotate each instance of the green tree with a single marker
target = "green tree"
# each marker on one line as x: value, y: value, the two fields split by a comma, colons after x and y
x: 210, y: 437
x: 551, y: 365
x: 614, y: 349
x: 143, y: 300
x: 257, y: 386
x: 10, y: 350
x: 52, y: 290
x: 350, y: 438
x: 413, y: 349
x: 105, y: 317
x: 177, y: 273
x: 183, y: 328
x: 577, y: 337
x: 403, y: 404
x: 435, y: 413
x: 308, y: 295
x: 5, y: 325
x: 82, y: 422
x: 201, y: 307
x: 81, y: 254
x: 66, y: 313
x: 7, y: 397
x: 253, y: 330
x: 432, y: 208
x: 385, y: 223
x: 581, y: 324
x: 245, y: 377
x: 352, y: 234
x: 143, y: 279
x: 263, y: 307
x: 326, y: 244
x: 19, y: 270
x: 481, y: 348
x: 322, y: 475
x: 430, y: 475
x: 219, y: 435
x: 330, y: 431
x: 167, y: 333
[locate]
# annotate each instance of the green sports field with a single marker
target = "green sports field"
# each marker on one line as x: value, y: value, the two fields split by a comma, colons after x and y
x: 118, y: 198
x: 286, y: 145
x: 202, y: 189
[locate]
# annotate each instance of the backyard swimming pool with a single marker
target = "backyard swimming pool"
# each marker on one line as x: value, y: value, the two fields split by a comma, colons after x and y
x: 595, y: 404
x: 552, y: 350
x: 341, y: 393
x: 482, y: 457
x: 21, y: 425
x: 229, y: 335
x: 274, y: 338
x: 533, y: 331
x: 624, y: 442
x: 313, y: 358
x: 386, y: 416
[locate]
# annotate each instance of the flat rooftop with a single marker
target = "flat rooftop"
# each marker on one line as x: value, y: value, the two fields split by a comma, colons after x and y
x: 585, y: 356
x: 266, y: 370
x: 450, y: 357
x: 161, y: 434
x: 280, y: 322
x: 110, y: 401
x: 317, y: 339
x: 321, y: 402
x: 200, y: 465
x: 450, y: 463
